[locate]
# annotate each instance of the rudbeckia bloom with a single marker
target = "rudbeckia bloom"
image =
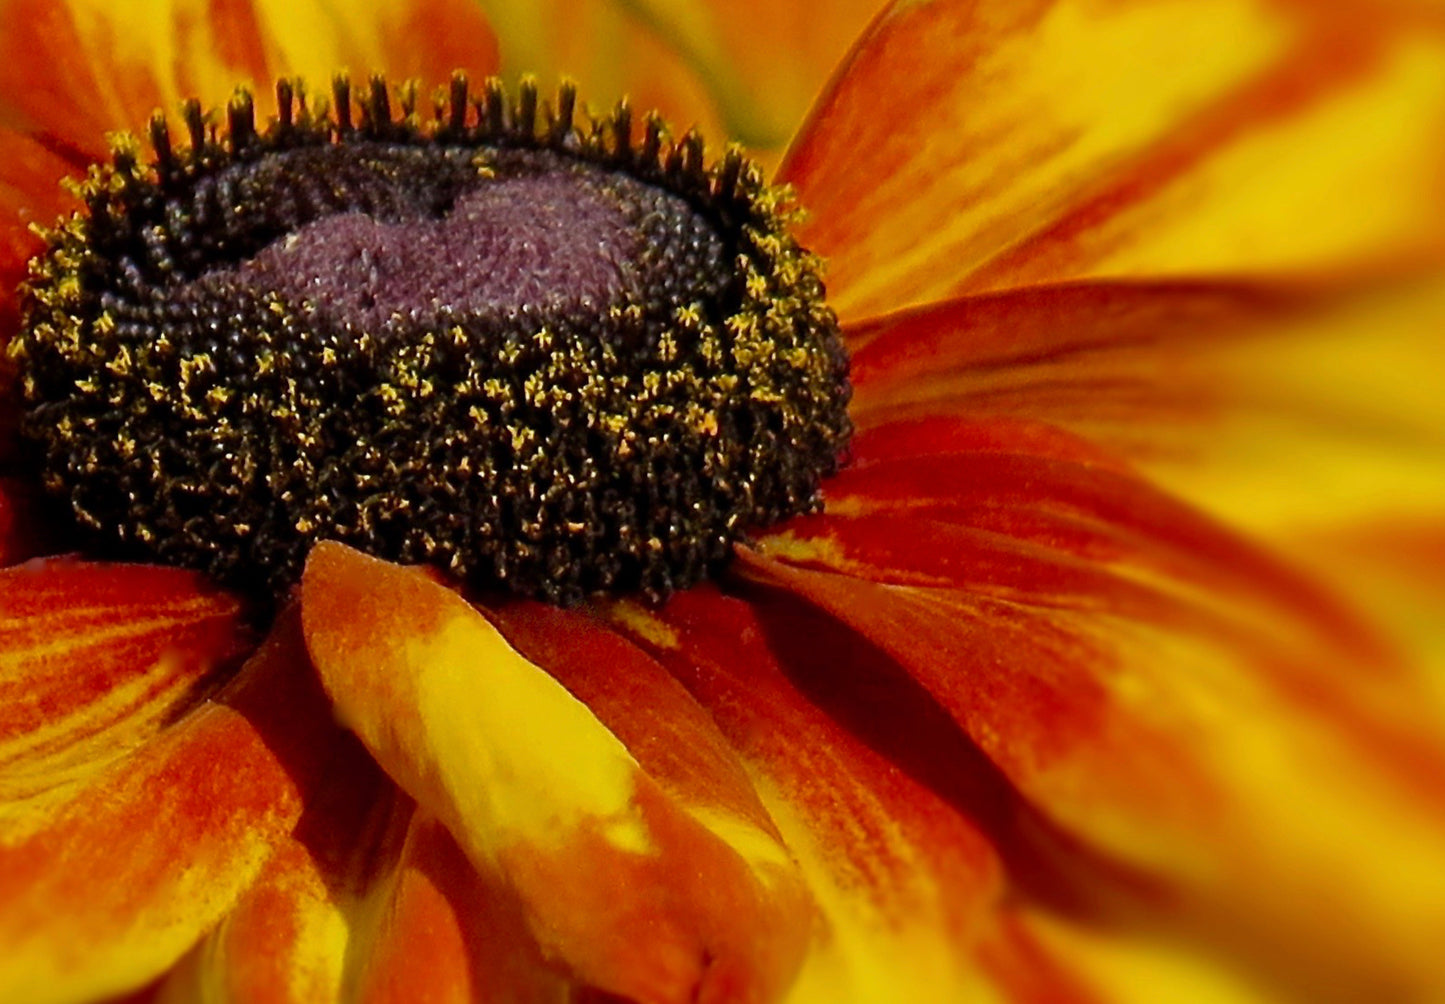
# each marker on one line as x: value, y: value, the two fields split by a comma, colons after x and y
x: 1105, y: 668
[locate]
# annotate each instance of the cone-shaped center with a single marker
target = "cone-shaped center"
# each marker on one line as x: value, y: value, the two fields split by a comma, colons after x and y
x: 544, y: 239
x: 547, y: 358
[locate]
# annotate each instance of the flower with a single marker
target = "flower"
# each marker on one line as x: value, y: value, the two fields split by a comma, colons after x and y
x: 1104, y: 673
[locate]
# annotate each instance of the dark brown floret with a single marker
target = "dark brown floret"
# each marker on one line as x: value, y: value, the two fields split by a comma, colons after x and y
x: 511, y: 341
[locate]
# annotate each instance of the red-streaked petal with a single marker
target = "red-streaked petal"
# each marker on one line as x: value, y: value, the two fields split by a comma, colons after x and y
x: 1313, y: 418
x: 110, y: 874
x: 901, y: 824
x: 1017, y: 510
x: 1077, y: 356
x: 1032, y: 948
x: 671, y: 736
x: 446, y: 928
x: 369, y: 900
x: 63, y: 81
x: 943, y: 434
x: 905, y: 880
x: 745, y: 70
x: 425, y: 40
x: 72, y: 72
x: 1025, y: 971
x: 293, y: 933
x: 543, y: 798
x: 30, y: 193
x: 95, y: 660
x: 979, y: 144
x: 1160, y: 715
x: 1393, y: 567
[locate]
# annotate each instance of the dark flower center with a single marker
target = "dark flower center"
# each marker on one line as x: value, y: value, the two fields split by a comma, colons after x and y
x: 521, y: 345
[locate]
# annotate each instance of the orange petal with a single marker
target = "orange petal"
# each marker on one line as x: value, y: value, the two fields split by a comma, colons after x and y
x: 424, y: 40
x: 368, y: 900
x: 973, y: 146
x: 1120, y: 668
x: 95, y: 659
x: 446, y: 928
x: 136, y: 813
x: 672, y: 737
x: 920, y: 851
x: 872, y: 791
x: 1313, y: 418
x: 742, y: 70
x: 1026, y: 970
x: 1392, y: 566
x: 71, y: 72
x: 1034, y: 951
x: 30, y: 193
x: 290, y: 936
x: 543, y: 798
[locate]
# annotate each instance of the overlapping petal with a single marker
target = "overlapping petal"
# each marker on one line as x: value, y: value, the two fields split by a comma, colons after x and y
x: 120, y: 840
x: 1164, y: 694
x: 972, y: 145
x: 1025, y: 726
x: 74, y: 72
x: 937, y: 879
x: 548, y: 805
x: 290, y: 937
x: 367, y: 900
x: 907, y: 882
x: 1311, y: 416
x: 746, y: 71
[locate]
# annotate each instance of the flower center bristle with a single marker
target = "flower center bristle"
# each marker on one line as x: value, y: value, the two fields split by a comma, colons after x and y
x: 510, y: 340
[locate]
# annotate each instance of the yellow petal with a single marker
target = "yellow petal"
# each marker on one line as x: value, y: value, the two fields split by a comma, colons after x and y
x: 133, y: 831
x: 542, y: 797
x: 447, y: 928
x: 740, y: 70
x: 293, y: 933
x: 1211, y: 741
x: 1310, y: 417
x: 901, y: 847
x: 75, y: 71
x: 370, y: 900
x: 978, y: 146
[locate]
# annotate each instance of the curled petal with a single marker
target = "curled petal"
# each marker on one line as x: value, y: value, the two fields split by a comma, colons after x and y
x: 135, y: 813
x: 1029, y: 143
x: 541, y: 796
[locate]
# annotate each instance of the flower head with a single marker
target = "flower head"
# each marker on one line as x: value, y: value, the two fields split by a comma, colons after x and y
x: 1102, y: 672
